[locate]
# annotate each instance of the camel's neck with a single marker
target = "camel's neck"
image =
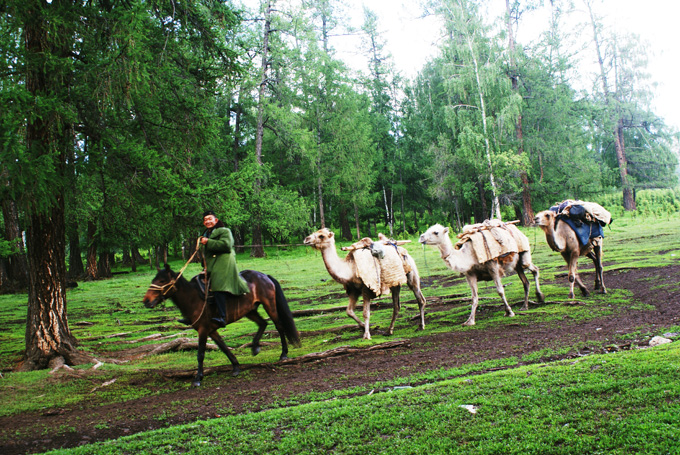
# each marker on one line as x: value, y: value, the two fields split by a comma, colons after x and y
x: 338, y: 268
x: 554, y: 242
x: 457, y: 260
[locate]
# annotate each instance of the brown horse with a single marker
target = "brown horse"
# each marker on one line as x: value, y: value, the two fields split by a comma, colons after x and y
x: 186, y: 295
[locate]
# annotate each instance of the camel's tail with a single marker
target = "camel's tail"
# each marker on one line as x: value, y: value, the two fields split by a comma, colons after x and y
x: 285, y: 315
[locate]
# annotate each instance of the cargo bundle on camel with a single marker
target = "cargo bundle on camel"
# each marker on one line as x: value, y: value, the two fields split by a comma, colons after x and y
x: 574, y: 229
x: 369, y: 270
x: 486, y: 251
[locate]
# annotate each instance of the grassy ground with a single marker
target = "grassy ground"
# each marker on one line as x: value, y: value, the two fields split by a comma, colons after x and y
x: 614, y: 404
x: 626, y: 403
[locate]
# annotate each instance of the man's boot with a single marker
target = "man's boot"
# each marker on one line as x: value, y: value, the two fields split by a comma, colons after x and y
x: 221, y: 306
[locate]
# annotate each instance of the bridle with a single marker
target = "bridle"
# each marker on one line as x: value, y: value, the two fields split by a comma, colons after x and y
x: 165, y: 288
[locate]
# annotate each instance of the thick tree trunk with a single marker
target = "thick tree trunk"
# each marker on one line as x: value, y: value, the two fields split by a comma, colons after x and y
x: 47, y: 333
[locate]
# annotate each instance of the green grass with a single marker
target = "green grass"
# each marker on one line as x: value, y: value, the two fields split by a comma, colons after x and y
x: 108, y: 317
x: 615, y: 404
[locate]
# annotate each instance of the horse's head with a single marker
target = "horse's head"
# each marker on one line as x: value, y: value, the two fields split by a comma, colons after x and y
x: 162, y: 287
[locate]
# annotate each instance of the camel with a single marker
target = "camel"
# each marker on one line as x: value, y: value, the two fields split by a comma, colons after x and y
x: 563, y: 240
x: 464, y: 260
x: 344, y: 271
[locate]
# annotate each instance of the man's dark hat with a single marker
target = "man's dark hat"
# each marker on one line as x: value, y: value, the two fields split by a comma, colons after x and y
x: 209, y: 212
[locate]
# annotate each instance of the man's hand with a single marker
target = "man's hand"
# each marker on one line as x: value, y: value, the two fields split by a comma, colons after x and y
x: 204, y: 240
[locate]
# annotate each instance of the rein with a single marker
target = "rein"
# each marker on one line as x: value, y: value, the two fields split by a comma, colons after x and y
x: 168, y: 286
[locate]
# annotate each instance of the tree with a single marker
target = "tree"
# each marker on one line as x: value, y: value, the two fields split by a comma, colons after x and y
x: 614, y: 119
x: 85, y: 73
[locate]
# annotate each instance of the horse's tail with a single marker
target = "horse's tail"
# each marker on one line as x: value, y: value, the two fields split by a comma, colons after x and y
x: 285, y: 315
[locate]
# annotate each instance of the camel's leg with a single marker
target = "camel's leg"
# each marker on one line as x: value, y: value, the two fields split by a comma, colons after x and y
x: 353, y: 298
x: 367, y: 317
x: 534, y: 271
x: 572, y: 265
x: 261, y: 326
x: 526, y: 262
x: 596, y: 256
x: 396, y: 306
x: 224, y: 348
x: 413, y: 281
x: 525, y: 284
x: 472, y: 282
x: 495, y: 274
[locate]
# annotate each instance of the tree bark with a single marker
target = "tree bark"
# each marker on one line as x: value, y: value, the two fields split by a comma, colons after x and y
x: 47, y: 333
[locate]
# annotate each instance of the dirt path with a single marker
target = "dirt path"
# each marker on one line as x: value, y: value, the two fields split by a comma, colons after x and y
x: 268, y: 384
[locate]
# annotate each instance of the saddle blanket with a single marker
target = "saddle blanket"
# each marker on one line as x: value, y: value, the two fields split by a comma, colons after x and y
x: 584, y: 231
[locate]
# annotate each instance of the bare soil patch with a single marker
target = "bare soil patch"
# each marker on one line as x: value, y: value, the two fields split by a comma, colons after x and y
x: 269, y: 383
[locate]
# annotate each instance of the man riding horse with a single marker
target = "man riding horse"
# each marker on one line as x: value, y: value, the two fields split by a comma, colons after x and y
x: 220, y: 264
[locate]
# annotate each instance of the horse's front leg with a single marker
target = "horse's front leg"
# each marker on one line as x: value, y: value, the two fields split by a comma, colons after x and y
x: 200, y: 356
x: 224, y: 348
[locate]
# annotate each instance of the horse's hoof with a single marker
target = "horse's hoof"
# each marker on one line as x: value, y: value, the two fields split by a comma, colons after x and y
x: 255, y: 350
x: 468, y: 323
x: 196, y: 383
x: 235, y: 372
x: 585, y: 292
x: 283, y: 357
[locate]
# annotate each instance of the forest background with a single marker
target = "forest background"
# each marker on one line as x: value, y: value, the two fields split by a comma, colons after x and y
x: 123, y: 121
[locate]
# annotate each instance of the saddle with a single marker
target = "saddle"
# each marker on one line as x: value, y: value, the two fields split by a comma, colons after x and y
x: 199, y: 281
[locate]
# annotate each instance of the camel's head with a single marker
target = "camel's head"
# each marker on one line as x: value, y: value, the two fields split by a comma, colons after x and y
x: 323, y: 238
x: 545, y: 218
x: 435, y: 235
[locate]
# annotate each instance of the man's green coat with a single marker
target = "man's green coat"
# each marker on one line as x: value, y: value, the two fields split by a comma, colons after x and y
x: 220, y: 261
